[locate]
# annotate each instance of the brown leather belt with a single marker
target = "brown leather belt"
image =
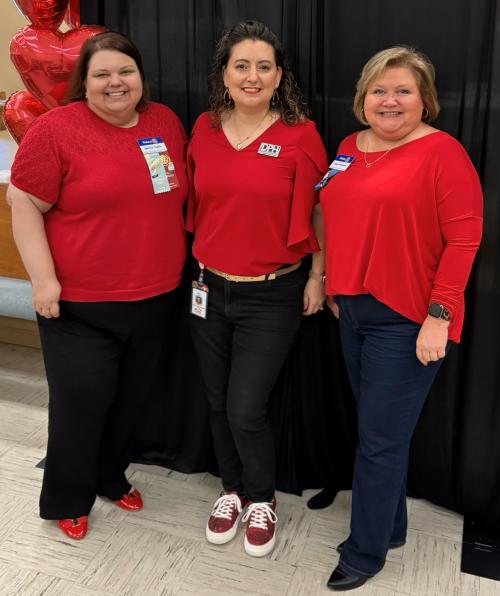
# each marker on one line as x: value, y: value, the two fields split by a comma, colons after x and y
x: 265, y: 277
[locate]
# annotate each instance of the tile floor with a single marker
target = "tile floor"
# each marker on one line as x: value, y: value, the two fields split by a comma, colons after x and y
x: 162, y: 551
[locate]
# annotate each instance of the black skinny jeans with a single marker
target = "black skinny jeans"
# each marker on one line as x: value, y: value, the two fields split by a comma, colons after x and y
x: 241, y: 347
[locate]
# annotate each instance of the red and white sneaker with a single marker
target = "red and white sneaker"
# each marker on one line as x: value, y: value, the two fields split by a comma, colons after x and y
x: 261, y: 528
x: 222, y: 524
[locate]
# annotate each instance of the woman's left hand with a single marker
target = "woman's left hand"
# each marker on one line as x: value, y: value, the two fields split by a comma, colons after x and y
x: 314, y: 296
x: 432, y: 340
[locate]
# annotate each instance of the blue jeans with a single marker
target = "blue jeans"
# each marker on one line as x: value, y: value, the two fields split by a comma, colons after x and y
x: 390, y: 386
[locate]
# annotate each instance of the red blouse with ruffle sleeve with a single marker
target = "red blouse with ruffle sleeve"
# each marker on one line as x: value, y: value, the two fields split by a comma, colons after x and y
x: 251, y: 213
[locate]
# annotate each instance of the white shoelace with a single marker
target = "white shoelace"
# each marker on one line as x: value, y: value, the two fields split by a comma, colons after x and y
x: 258, y: 514
x: 224, y: 506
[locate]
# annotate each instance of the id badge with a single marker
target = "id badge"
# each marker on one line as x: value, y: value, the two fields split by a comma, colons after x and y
x: 160, y: 165
x: 340, y: 164
x: 199, y: 299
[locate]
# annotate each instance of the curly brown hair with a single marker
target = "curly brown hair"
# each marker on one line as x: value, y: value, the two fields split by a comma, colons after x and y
x: 290, y: 103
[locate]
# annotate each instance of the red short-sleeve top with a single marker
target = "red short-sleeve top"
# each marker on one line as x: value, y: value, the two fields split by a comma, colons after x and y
x: 110, y: 236
x: 251, y: 213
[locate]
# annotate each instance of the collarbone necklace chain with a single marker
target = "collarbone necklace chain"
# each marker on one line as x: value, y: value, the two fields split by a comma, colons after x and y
x: 369, y: 164
x: 240, y: 144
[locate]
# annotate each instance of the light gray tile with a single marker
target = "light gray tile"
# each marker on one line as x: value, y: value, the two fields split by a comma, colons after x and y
x: 18, y: 474
x: 436, y: 521
x: 15, y: 581
x: 175, y: 507
x: 487, y: 587
x: 41, y: 546
x: 319, y: 552
x: 293, y: 528
x: 139, y: 560
x: 14, y: 510
x: 66, y: 588
x: 431, y: 565
x: 231, y: 574
x: 18, y: 420
x: 470, y: 585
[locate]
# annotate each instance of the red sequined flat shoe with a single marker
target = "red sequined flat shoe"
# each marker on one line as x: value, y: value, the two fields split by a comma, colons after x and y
x: 131, y: 501
x: 75, y: 528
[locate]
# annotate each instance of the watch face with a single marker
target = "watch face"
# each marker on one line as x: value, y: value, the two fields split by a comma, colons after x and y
x: 435, y: 310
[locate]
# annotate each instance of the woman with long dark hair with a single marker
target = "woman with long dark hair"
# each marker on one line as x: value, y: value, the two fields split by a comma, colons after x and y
x: 253, y: 161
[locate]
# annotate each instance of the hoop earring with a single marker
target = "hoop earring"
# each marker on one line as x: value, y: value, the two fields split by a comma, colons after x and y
x: 425, y: 113
x: 226, y: 98
x: 275, y: 98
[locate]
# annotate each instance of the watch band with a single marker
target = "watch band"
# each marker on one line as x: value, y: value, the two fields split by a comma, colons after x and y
x: 439, y: 311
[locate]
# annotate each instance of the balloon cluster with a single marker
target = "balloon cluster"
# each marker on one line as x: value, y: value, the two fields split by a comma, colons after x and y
x: 44, y: 58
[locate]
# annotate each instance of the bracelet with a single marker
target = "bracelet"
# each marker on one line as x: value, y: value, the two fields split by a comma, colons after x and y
x: 317, y: 276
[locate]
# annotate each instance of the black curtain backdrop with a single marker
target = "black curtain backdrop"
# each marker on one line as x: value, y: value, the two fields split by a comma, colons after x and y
x: 455, y: 459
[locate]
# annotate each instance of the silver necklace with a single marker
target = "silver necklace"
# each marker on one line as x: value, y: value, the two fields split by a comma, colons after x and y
x: 240, y: 144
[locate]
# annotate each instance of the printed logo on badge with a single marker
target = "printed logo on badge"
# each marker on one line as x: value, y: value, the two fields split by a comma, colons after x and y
x: 269, y: 150
x: 341, y: 162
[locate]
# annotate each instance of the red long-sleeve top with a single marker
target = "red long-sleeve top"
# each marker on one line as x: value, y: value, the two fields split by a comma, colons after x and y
x: 406, y: 229
x: 251, y: 213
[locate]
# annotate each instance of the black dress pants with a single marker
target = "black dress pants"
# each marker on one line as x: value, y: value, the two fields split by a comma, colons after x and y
x: 102, y: 361
x: 241, y: 348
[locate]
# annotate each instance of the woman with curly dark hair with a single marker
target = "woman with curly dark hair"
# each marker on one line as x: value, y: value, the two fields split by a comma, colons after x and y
x: 253, y: 161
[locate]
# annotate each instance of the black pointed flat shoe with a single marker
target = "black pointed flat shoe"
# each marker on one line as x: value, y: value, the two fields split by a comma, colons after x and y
x: 345, y: 580
x: 391, y: 546
x: 322, y: 499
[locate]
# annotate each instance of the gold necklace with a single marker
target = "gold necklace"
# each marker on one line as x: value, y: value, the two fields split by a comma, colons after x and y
x: 368, y: 164
x: 240, y: 144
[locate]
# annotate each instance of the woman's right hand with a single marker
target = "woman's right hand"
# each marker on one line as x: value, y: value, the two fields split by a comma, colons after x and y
x: 333, y: 306
x: 46, y: 297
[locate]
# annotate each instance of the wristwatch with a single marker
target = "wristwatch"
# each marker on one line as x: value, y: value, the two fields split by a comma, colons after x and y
x: 438, y: 311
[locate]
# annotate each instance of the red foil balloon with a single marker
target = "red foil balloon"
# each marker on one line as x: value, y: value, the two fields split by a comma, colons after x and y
x: 72, y: 16
x: 43, y: 13
x: 44, y: 58
x: 19, y: 111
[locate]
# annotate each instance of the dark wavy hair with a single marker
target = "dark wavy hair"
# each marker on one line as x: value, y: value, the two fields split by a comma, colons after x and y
x: 108, y: 40
x: 290, y: 105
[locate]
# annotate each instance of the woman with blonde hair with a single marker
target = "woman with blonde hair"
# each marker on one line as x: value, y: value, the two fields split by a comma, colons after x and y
x: 402, y: 225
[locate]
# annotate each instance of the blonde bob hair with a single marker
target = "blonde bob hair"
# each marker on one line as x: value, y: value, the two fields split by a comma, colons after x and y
x: 398, y: 56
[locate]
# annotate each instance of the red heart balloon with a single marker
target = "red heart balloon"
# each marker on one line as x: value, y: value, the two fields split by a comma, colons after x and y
x: 19, y: 111
x: 43, y: 13
x: 72, y: 16
x: 44, y: 58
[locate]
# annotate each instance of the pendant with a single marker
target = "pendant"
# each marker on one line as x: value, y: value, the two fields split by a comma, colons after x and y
x: 239, y: 146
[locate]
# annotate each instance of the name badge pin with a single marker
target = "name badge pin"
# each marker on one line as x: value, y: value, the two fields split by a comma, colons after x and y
x: 269, y: 150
